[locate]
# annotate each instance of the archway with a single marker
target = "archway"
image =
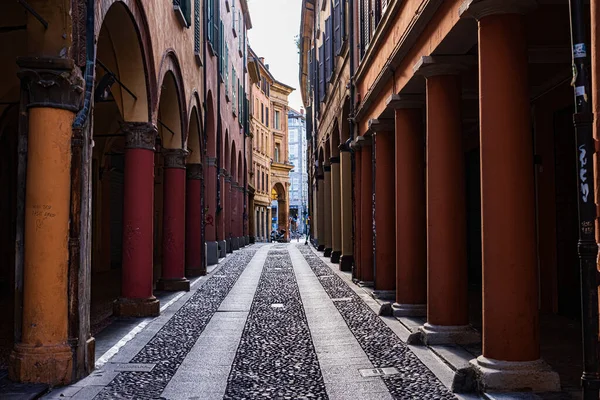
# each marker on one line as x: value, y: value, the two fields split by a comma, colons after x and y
x: 233, y: 200
x: 242, y: 217
x: 336, y: 201
x: 280, y: 209
x: 224, y: 212
x: 122, y: 95
x: 210, y: 183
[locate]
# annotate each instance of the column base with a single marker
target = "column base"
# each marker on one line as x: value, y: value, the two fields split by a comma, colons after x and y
x: 321, y: 247
x: 384, y: 295
x: 173, y: 285
x: 409, y: 310
x: 335, y: 256
x: 247, y: 240
x: 327, y: 252
x: 531, y: 376
x: 442, y: 334
x: 222, y: 248
x: 367, y: 284
x: 193, y: 272
x: 52, y: 365
x: 252, y: 239
x: 346, y: 263
x: 212, y: 253
x: 235, y: 244
x: 124, y: 307
x: 228, y: 246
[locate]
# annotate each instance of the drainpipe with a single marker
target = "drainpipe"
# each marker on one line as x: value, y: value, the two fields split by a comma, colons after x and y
x: 219, y: 62
x: 245, y: 124
x: 351, y: 125
x: 586, y: 247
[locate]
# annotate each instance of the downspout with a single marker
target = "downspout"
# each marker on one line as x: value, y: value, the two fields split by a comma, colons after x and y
x: 351, y: 126
x: 219, y: 61
x: 245, y: 216
x: 79, y: 329
x: 205, y: 138
x: 315, y: 110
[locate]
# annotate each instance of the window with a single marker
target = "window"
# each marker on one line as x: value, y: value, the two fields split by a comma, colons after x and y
x: 212, y: 27
x: 267, y: 116
x: 226, y: 68
x: 277, y: 149
x: 183, y: 8
x: 197, y: 28
x: 328, y: 50
x: 321, y: 95
x: 262, y: 113
x: 233, y: 90
x: 277, y: 120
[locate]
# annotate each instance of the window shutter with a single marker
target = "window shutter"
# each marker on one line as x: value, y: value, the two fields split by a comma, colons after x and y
x: 337, y: 28
x: 310, y: 69
x: 215, y: 26
x: 343, y: 31
x: 197, y: 27
x: 321, y: 95
x: 210, y: 32
x: 328, y: 69
x: 233, y: 89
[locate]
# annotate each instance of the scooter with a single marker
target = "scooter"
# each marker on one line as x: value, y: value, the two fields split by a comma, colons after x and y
x: 278, y: 237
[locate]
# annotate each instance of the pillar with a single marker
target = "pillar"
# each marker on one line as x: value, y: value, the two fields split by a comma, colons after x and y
x: 173, y: 237
x: 314, y: 222
x: 336, y: 211
x: 447, y: 284
x: 385, y: 243
x: 138, y: 217
x: 411, y: 228
x: 366, y: 211
x: 228, y: 210
x: 327, y: 224
x: 320, y: 212
x: 210, y: 218
x: 511, y: 347
x: 223, y: 214
x: 346, y: 258
x: 357, y: 271
x: 43, y: 353
x: 194, y: 265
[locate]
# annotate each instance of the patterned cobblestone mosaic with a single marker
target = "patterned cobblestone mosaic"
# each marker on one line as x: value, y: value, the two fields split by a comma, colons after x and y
x: 380, y: 343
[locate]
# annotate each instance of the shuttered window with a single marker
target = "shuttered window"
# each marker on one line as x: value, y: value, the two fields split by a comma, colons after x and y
x: 197, y: 27
x: 365, y: 30
x: 321, y: 96
x: 328, y: 50
x: 184, y: 8
x: 233, y: 89
x: 337, y: 27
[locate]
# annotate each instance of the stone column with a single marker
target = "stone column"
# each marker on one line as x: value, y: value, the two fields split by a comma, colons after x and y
x: 357, y: 271
x: 320, y: 212
x: 447, y: 290
x: 411, y: 228
x: 336, y: 211
x: 138, y: 217
x: 194, y: 265
x: 268, y: 222
x: 222, y: 232
x: 346, y: 258
x: 234, y: 212
x: 210, y: 217
x: 314, y: 222
x: 327, y: 224
x: 173, y: 238
x: 54, y: 88
x: 385, y: 243
x: 366, y: 211
x: 511, y: 347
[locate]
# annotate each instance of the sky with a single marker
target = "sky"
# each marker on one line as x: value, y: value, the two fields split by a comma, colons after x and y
x: 275, y: 24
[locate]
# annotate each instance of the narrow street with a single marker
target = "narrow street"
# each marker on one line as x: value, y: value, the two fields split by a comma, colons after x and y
x: 271, y: 321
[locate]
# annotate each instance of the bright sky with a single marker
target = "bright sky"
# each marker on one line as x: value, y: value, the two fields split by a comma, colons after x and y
x: 275, y: 24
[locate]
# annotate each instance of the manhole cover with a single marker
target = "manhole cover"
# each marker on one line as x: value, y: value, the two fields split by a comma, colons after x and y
x: 277, y: 305
x: 342, y: 299
x: 372, y: 372
x: 135, y: 367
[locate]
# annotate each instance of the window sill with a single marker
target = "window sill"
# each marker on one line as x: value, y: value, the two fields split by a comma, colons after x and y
x: 227, y: 6
x: 234, y: 32
x: 227, y: 97
x: 211, y: 49
x: 180, y: 16
x: 198, y: 59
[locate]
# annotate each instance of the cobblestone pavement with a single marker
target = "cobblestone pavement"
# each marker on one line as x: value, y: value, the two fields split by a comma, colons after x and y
x: 273, y: 321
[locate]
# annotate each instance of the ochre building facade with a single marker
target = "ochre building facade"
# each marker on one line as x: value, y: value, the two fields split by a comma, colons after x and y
x: 123, y: 128
x: 443, y: 171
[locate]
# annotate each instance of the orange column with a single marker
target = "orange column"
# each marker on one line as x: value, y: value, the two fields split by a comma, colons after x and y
x: 320, y: 212
x: 327, y: 222
x: 366, y: 211
x: 510, y: 322
x: 43, y: 353
x: 385, y: 242
x: 411, y: 228
x: 447, y: 286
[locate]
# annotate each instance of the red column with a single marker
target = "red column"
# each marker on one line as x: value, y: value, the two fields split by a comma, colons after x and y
x: 228, y: 211
x: 210, y: 200
x: 241, y: 221
x: 357, y: 271
x: 138, y: 209
x: 366, y: 209
x: 194, y: 264
x: 411, y: 232
x: 173, y: 243
x: 385, y: 243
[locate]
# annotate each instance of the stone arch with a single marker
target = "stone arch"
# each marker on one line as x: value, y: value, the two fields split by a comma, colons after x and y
x: 226, y: 158
x: 124, y: 47
x: 240, y: 171
x: 233, y: 164
x: 169, y: 113
x: 194, y: 138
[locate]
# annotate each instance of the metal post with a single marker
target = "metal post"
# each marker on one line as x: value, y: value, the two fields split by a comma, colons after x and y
x: 587, y: 247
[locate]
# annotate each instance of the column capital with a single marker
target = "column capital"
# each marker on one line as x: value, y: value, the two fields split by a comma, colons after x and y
x: 334, y: 160
x: 194, y: 172
x: 443, y: 65
x: 479, y: 9
x: 397, y: 101
x: 211, y: 161
x: 361, y: 141
x: 381, y: 125
x: 139, y: 135
x: 174, y: 158
x: 51, y: 82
